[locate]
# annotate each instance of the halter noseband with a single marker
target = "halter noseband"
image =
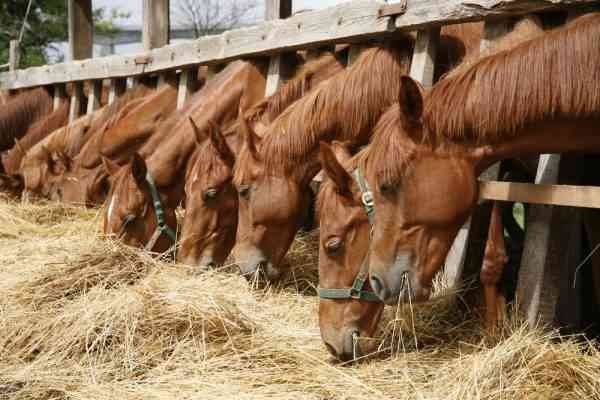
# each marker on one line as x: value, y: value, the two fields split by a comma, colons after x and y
x: 357, y: 292
x: 161, y: 224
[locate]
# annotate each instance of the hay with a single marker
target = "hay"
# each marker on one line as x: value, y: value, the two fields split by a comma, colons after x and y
x: 86, y: 318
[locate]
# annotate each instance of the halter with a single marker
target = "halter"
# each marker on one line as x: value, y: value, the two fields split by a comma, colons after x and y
x: 161, y: 225
x: 357, y: 292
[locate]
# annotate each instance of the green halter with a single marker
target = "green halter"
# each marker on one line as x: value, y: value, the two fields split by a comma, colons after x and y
x: 356, y: 292
x: 161, y: 225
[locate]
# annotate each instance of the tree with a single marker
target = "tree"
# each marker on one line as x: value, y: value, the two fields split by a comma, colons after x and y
x: 211, y: 16
x: 46, y: 25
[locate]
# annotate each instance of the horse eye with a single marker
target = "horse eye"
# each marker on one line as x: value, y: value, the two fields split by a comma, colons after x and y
x: 386, y: 188
x: 210, y: 194
x: 334, y: 245
x: 244, y: 191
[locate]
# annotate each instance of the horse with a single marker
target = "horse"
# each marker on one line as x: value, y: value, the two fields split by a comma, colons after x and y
x: 20, y: 112
x: 424, y: 162
x: 86, y: 181
x: 211, y: 204
x: 45, y: 163
x: 272, y: 174
x: 146, y: 191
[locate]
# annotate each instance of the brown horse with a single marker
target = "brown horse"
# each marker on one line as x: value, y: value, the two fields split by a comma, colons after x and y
x: 210, y: 223
x: 152, y: 184
x: 20, y: 112
x: 46, y: 162
x: 86, y: 181
x: 273, y: 173
x: 540, y: 97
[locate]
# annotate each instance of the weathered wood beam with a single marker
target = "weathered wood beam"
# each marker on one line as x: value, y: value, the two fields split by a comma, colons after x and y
x: 422, y: 67
x: 81, y: 29
x: 274, y: 10
x: 14, y: 55
x: 155, y: 24
x: 353, y: 21
x: 188, y: 84
x: 60, y: 95
x: 116, y: 89
x: 95, y: 91
x: 76, y: 99
x: 548, y: 194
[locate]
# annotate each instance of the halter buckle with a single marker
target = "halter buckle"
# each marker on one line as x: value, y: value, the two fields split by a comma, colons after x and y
x: 367, y: 198
x: 355, y: 294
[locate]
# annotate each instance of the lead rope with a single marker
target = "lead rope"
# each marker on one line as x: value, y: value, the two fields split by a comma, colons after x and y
x: 581, y: 264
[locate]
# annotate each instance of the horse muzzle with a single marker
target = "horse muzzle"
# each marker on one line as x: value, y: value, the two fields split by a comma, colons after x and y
x: 254, y: 263
x: 395, y: 282
x: 345, y: 347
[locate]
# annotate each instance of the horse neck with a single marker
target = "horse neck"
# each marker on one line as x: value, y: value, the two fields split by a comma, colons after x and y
x: 241, y: 87
x: 550, y: 136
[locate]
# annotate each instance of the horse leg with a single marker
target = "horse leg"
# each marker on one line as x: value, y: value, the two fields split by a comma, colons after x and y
x: 494, y: 260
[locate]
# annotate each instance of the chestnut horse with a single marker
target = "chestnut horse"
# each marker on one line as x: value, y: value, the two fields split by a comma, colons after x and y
x: 20, y: 112
x: 210, y: 222
x: 86, y: 181
x: 46, y: 162
x: 272, y: 174
x: 423, y: 164
x: 146, y: 191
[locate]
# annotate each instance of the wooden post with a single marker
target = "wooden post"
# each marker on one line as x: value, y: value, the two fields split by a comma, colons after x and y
x: 95, y: 91
x: 466, y: 255
x: 76, y: 99
x: 155, y: 32
x: 14, y: 55
x: 132, y: 82
x: 81, y: 29
x: 551, y: 237
x: 116, y: 89
x: 422, y: 67
x: 60, y: 95
x: 276, y: 9
x: 188, y: 83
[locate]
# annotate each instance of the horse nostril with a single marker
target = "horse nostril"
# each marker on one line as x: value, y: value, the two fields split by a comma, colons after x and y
x: 331, y: 349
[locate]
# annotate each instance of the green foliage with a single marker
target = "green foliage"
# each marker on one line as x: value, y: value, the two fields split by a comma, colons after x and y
x: 46, y: 24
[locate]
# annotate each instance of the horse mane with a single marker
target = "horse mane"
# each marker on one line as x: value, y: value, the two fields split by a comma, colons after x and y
x: 20, y: 112
x: 497, y: 96
x: 36, y: 132
x: 345, y: 107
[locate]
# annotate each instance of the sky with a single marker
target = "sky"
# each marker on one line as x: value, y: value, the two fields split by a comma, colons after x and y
x: 135, y: 8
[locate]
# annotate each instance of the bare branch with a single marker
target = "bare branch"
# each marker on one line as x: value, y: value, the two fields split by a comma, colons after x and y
x: 211, y: 16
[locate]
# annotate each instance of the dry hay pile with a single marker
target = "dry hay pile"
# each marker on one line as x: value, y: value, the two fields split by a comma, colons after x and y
x: 85, y: 318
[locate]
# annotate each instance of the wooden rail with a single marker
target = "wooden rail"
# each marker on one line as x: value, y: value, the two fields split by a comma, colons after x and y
x: 353, y: 21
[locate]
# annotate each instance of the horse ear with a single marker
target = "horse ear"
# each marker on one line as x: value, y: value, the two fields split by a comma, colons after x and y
x: 198, y: 134
x: 110, y: 166
x: 336, y: 172
x: 139, y: 169
x: 220, y: 144
x: 411, y: 101
x: 250, y: 137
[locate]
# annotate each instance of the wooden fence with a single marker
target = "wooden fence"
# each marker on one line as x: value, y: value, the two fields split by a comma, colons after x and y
x: 354, y: 22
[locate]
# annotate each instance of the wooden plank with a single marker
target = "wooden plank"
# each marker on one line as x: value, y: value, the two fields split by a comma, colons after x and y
x: 188, y: 83
x: 60, y: 95
x: 155, y: 24
x: 81, y: 29
x: 274, y: 10
x: 350, y: 21
x: 548, y: 238
x: 116, y: 89
x: 422, y: 67
x: 94, y: 96
x: 76, y: 99
x: 14, y: 55
x: 548, y: 194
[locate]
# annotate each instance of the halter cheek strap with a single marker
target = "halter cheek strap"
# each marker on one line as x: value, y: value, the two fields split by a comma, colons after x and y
x: 357, y: 292
x: 161, y: 225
